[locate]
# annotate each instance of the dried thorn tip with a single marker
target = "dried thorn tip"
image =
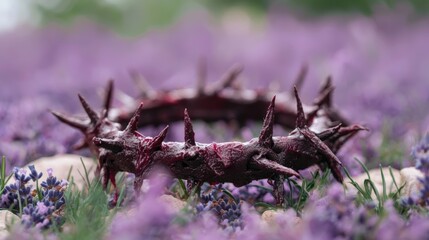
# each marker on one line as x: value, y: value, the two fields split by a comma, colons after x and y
x: 157, y: 141
x: 300, y: 119
x: 301, y: 77
x: 324, y: 98
x: 89, y: 111
x: 132, y: 125
x: 275, y: 167
x: 321, y: 146
x: 326, y: 89
x: 189, y: 130
x: 73, y: 122
x: 228, y: 79
x: 329, y: 132
x: 266, y: 135
x: 108, y: 98
x: 108, y: 144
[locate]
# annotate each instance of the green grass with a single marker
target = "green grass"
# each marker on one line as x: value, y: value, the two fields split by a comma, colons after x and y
x: 364, y: 194
x: 87, y: 214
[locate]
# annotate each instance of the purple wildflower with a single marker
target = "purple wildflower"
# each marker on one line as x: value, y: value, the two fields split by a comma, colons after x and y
x: 420, y: 153
x: 36, y: 212
x: 228, y: 211
x: 148, y: 218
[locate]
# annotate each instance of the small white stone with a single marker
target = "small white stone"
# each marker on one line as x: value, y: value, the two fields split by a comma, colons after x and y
x: 7, y: 220
x: 61, y: 165
x: 271, y: 217
x: 410, y: 179
x: 377, y: 179
x: 174, y: 205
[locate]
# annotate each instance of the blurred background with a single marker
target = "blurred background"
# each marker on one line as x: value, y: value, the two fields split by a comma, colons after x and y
x: 377, y: 52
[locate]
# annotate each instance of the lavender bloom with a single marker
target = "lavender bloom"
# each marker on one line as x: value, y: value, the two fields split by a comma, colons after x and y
x: 420, y: 153
x: 213, y: 200
x: 18, y: 193
x: 37, y: 216
x: 257, y: 191
x: 34, y: 174
x: 46, y: 211
x: 39, y: 213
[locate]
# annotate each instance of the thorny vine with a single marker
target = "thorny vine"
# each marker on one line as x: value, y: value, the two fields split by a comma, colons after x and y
x: 318, y: 134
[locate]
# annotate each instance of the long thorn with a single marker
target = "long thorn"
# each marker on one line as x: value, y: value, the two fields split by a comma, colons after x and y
x: 300, y: 119
x: 274, y: 167
x: 321, y: 146
x: 132, y: 125
x: 108, y: 143
x: 327, y: 85
x: 189, y: 130
x: 157, y: 141
x: 108, y: 98
x: 324, y: 98
x: 93, y: 116
x: 301, y: 77
x: 141, y: 82
x: 266, y: 135
x: 73, y: 122
x: 228, y: 79
x: 328, y: 132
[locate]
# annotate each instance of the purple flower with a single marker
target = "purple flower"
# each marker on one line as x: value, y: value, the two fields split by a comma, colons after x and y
x: 34, y: 175
x: 147, y: 219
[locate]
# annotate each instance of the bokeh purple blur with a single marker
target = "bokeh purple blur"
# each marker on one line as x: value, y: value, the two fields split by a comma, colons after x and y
x: 378, y: 63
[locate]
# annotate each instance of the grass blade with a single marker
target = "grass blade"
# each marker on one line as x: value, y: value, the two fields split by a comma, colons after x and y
x: 86, y: 173
x: 384, y: 184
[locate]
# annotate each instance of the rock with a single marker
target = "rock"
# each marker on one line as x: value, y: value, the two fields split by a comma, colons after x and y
x: 174, y: 205
x: 7, y: 219
x: 377, y: 179
x: 61, y: 165
x: 274, y: 217
x: 410, y: 179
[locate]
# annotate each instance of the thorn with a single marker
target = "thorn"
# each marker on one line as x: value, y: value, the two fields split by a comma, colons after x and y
x: 125, y: 99
x: 73, y: 122
x: 324, y: 98
x: 132, y: 125
x: 107, y: 99
x: 109, y: 144
x: 301, y: 77
x: 332, y: 160
x: 321, y: 146
x: 141, y: 82
x: 300, y: 118
x: 89, y: 111
x: 328, y: 132
x: 336, y: 172
x: 325, y: 88
x: 189, y: 131
x: 157, y: 141
x: 228, y: 79
x: 344, y: 134
x: 201, y: 75
x: 266, y: 135
x: 80, y: 145
x: 274, y: 167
